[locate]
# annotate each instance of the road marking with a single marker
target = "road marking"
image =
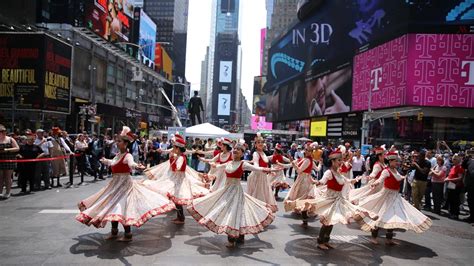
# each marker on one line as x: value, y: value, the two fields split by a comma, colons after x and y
x: 52, y: 211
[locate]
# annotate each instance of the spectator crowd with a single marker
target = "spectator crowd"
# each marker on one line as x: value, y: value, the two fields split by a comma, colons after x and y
x: 437, y: 179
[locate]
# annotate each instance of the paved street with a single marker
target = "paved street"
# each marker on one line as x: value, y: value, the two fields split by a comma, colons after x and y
x: 40, y: 229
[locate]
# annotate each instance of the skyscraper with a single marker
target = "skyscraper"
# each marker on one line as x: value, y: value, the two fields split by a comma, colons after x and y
x: 171, y: 18
x: 203, y: 89
x: 223, y: 82
x: 281, y: 14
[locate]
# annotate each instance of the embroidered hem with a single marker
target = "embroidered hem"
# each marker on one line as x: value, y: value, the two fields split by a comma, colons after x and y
x: 137, y: 222
x: 425, y: 225
x: 181, y: 201
x: 228, y: 230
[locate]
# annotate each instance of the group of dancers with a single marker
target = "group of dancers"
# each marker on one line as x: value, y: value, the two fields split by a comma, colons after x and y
x: 217, y: 200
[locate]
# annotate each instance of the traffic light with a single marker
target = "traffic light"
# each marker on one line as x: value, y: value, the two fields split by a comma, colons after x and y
x: 420, y: 116
x: 396, y: 116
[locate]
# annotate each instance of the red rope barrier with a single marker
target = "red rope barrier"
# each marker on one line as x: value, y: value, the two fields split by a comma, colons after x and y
x: 38, y: 160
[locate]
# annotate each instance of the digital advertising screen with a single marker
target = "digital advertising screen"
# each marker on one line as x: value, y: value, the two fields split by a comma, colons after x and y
x: 416, y: 70
x: 342, y: 28
x: 259, y: 123
x: 318, y: 128
x: 259, y: 98
x: 223, y: 107
x: 225, y: 72
x: 147, y: 39
x: 108, y: 19
x: 305, y: 98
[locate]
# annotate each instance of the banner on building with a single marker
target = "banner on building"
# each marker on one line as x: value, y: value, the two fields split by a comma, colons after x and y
x: 259, y: 123
x: 36, y: 72
x: 421, y: 70
x: 259, y: 103
x: 225, y: 72
x: 223, y: 107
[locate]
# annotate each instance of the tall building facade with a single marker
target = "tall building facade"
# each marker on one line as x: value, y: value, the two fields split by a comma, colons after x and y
x: 281, y: 14
x: 171, y: 18
x: 224, y: 63
x: 203, y: 87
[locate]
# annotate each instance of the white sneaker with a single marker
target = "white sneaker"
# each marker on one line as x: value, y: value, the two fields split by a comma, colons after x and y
x: 6, y: 196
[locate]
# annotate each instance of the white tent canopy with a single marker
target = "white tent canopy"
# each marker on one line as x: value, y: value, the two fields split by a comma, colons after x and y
x: 206, y: 130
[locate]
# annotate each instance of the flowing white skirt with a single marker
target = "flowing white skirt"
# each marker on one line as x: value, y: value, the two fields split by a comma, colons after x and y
x: 220, y: 177
x: 302, y: 189
x: 180, y: 187
x: 355, y: 195
x: 231, y: 211
x: 259, y: 188
x: 278, y: 180
x: 123, y: 200
x: 394, y: 212
x: 333, y: 208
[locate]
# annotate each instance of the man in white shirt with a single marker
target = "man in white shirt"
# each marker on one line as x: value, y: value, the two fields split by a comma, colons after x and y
x: 164, y: 146
x: 42, y: 168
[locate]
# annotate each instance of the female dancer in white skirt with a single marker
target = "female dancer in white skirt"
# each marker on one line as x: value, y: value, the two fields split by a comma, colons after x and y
x: 304, y: 186
x: 218, y: 174
x: 123, y: 200
x: 357, y: 194
x: 278, y: 179
x: 177, y: 184
x: 346, y: 170
x: 393, y: 210
x: 229, y: 210
x: 332, y: 207
x: 258, y: 185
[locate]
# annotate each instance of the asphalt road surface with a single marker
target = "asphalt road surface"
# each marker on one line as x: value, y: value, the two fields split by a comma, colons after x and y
x: 40, y: 229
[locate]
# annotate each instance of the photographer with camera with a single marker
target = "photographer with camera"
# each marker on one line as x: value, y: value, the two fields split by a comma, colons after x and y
x: 422, y: 168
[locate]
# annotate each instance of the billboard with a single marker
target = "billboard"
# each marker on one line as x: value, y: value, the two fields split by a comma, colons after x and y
x: 225, y: 72
x: 259, y: 123
x: 223, y: 107
x: 304, y: 98
x: 57, y: 82
x: 416, y: 70
x: 108, y: 19
x: 147, y: 39
x: 325, y: 38
x: 36, y: 72
x: 259, y: 106
x: 318, y: 128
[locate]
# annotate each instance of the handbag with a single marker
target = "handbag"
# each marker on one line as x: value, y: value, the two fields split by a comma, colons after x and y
x: 451, y: 185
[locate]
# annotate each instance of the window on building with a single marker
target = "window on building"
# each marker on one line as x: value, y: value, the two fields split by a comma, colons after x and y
x: 119, y: 94
x: 110, y: 97
x: 110, y: 70
x: 120, y: 73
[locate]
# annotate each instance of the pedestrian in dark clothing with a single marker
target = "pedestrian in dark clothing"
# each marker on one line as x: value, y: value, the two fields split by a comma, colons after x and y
x: 422, y: 168
x: 195, y: 107
x: 27, y: 169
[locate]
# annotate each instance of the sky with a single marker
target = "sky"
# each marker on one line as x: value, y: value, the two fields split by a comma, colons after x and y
x: 253, y: 19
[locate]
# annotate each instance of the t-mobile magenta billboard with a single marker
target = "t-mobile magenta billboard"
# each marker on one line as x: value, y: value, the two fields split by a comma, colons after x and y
x: 416, y: 70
